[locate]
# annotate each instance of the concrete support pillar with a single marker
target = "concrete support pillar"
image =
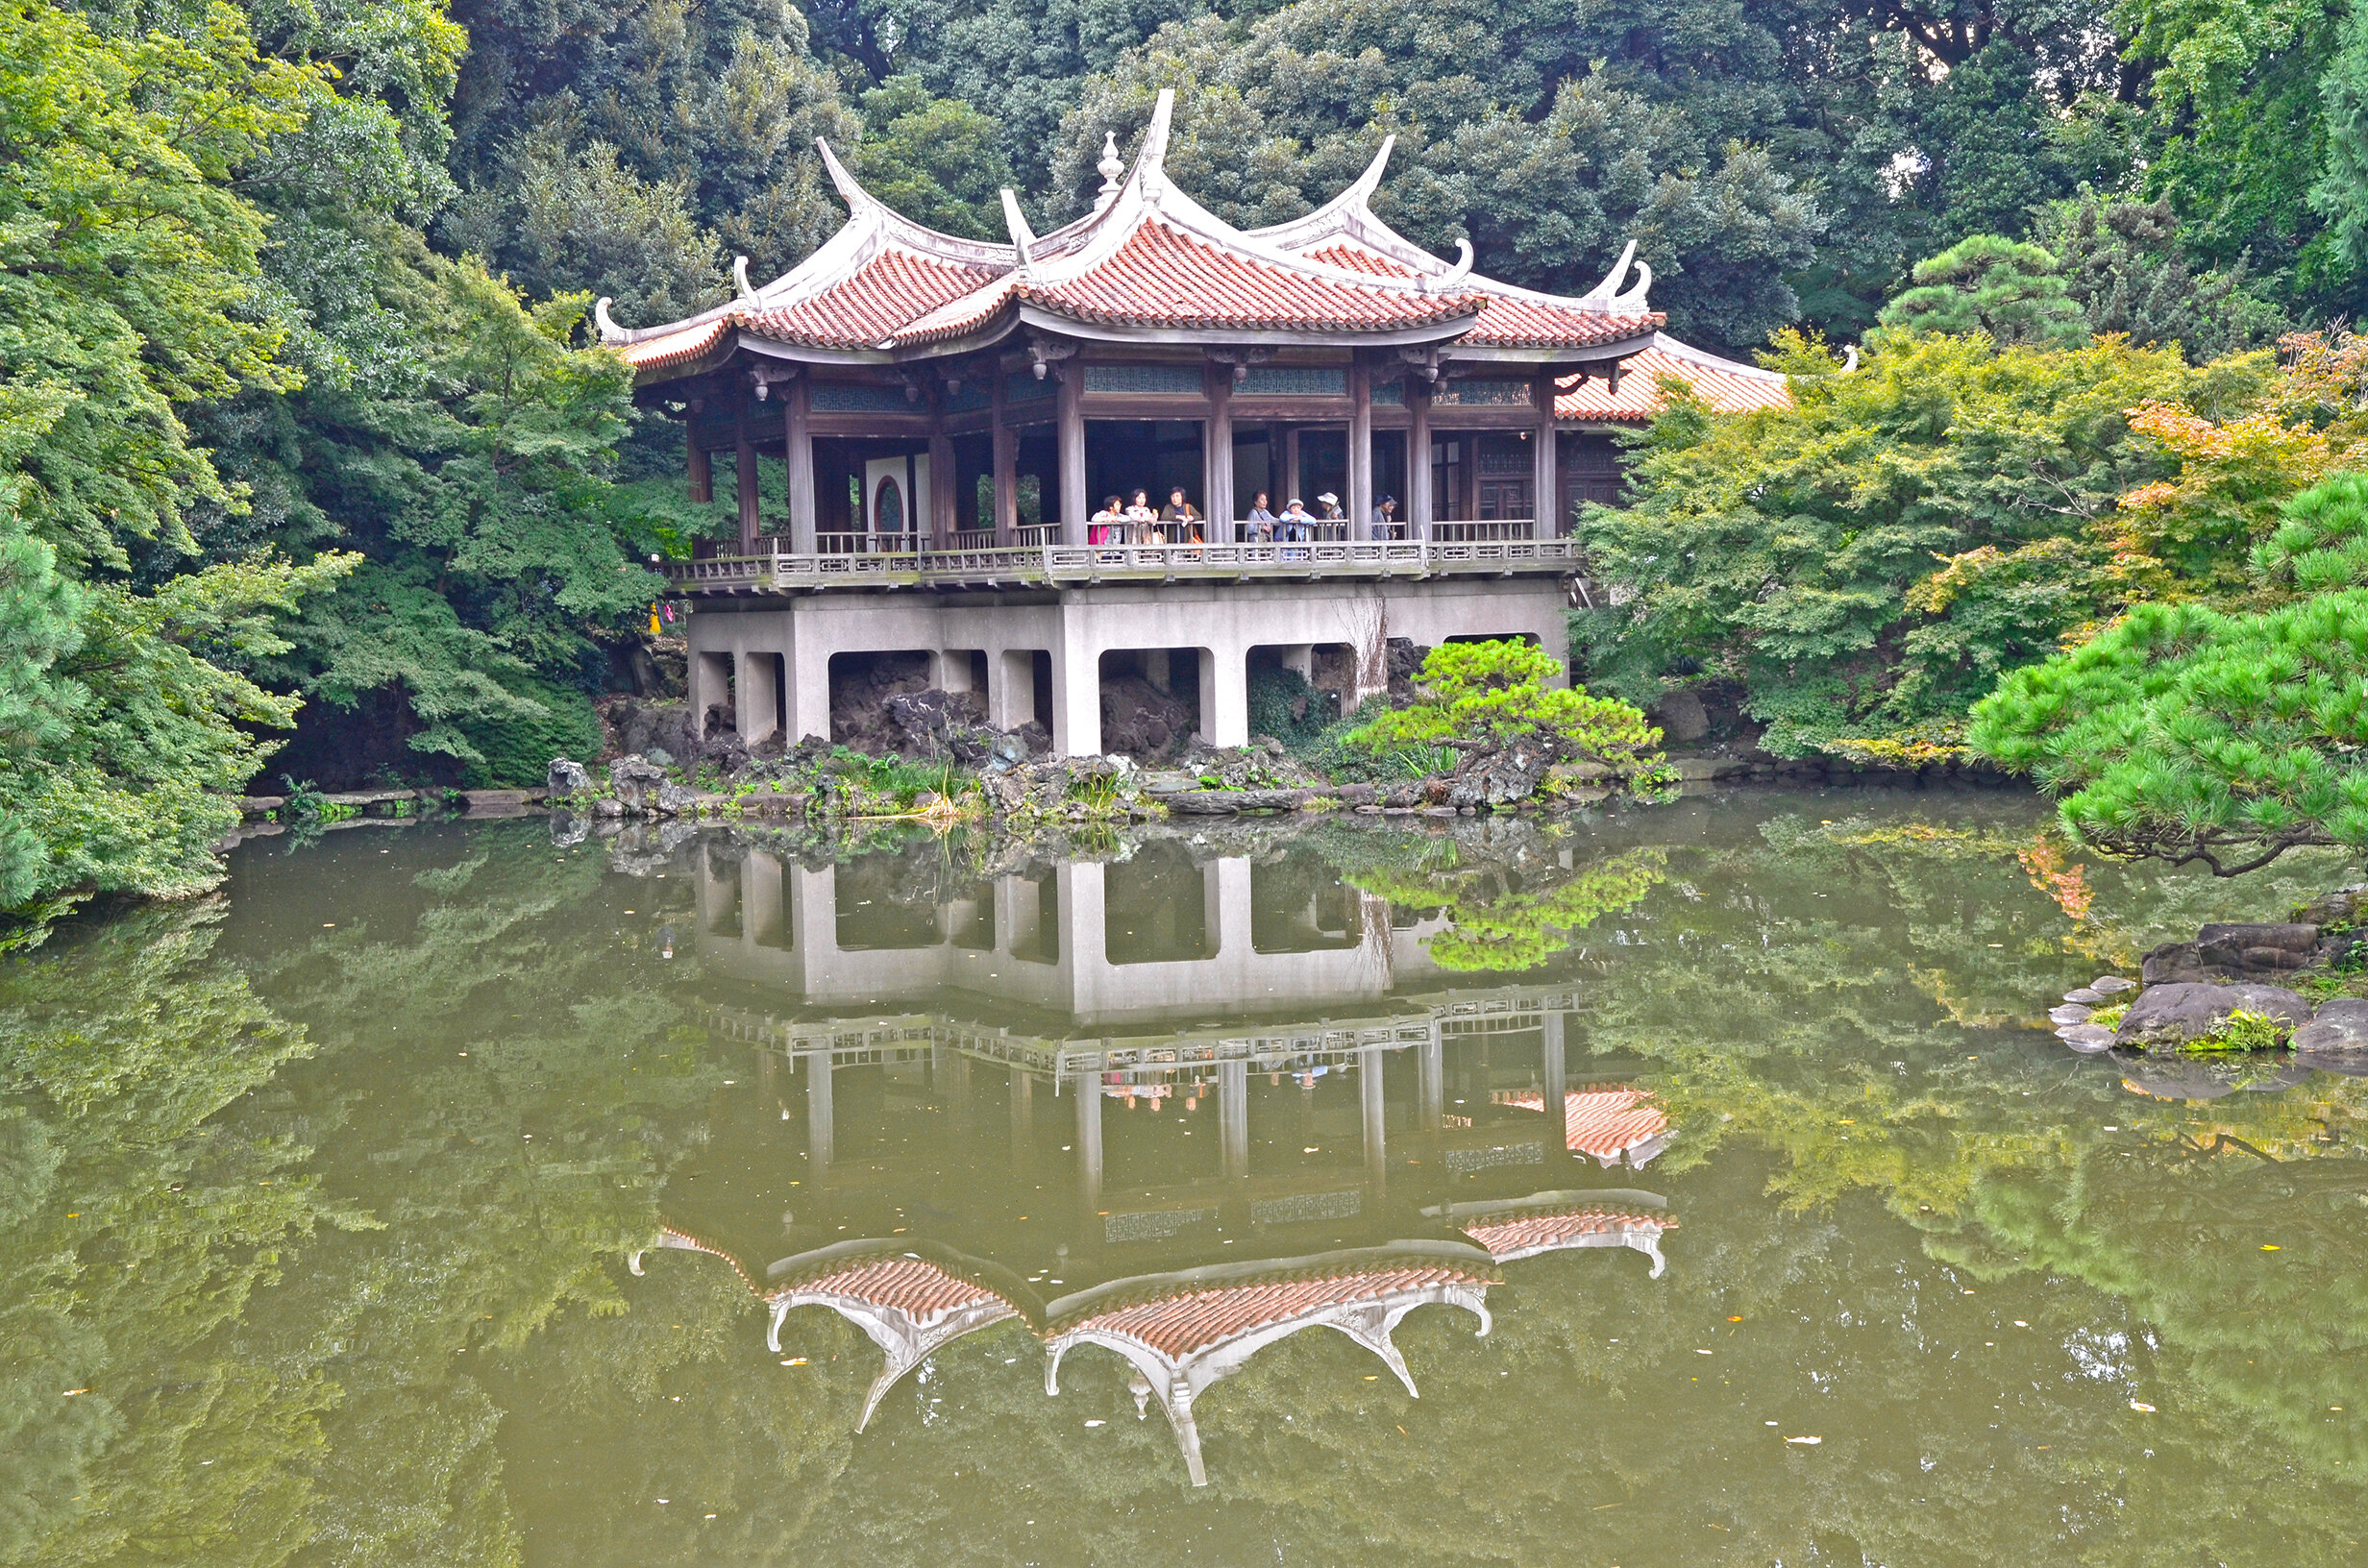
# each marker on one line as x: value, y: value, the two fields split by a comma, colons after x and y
x: 1074, y: 509
x: 796, y: 425
x: 698, y: 467
x: 1554, y: 1085
x: 1076, y: 696
x: 819, y: 1132
x: 953, y: 669
x: 1233, y: 1119
x: 758, y: 712
x: 1011, y: 689
x: 1550, y: 521
x: 1431, y: 1095
x: 1158, y: 668
x: 709, y: 681
x: 1006, y: 474
x: 1216, y: 457
x: 1370, y: 1103
x: 1224, y: 697
x: 1087, y: 1086
x: 808, y: 674
x: 1360, y: 450
x: 1418, y: 513
x: 744, y: 461
x: 943, y: 505
x: 1022, y: 1089
x: 1300, y: 658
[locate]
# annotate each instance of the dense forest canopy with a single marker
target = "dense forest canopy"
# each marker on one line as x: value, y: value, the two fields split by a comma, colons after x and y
x: 301, y: 423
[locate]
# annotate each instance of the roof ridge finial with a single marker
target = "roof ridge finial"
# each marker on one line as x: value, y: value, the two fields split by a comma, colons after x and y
x: 611, y: 331
x: 857, y: 199
x: 1022, y: 237
x: 1603, y: 295
x: 1453, y: 278
x: 740, y: 278
x: 1151, y: 157
x: 1110, y: 168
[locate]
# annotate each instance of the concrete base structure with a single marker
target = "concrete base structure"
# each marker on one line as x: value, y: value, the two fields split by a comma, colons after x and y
x: 770, y: 656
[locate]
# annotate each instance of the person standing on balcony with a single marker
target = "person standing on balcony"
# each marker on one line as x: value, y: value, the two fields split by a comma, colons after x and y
x: 1298, y: 525
x: 1261, y: 529
x: 1329, y: 510
x: 1110, y: 522
x: 1385, y: 518
x: 1181, y: 520
x: 1142, y: 521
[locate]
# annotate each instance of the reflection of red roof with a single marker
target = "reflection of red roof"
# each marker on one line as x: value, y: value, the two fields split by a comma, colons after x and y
x: 1178, y: 1326
x: 1533, y: 1231
x: 1725, y: 385
x: 913, y: 1286
x: 1603, y: 1124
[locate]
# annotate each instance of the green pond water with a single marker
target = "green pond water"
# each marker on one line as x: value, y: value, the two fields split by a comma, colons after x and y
x: 427, y: 1196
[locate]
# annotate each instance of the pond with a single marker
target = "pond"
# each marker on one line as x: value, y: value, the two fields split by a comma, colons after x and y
x: 1693, y: 1184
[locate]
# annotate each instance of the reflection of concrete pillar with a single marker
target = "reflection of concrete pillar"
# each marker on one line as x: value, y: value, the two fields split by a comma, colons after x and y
x: 1432, y: 1110
x: 1088, y: 1087
x: 1377, y: 1132
x: 818, y: 1127
x: 952, y: 1071
x: 1225, y: 899
x: 1233, y: 1115
x: 1023, y: 1119
x: 760, y: 902
x: 1552, y: 1082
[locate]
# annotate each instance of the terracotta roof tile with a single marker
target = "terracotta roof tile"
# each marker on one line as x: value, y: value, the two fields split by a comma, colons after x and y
x: 1722, y: 383
x: 1526, y: 1232
x: 914, y: 1286
x: 870, y: 305
x: 1510, y: 321
x: 675, y: 348
x: 1603, y: 1124
x: 1162, y: 277
x: 1178, y: 1326
x: 1353, y: 258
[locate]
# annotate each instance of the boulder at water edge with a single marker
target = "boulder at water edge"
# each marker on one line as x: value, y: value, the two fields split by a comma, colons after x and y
x: 2340, y: 1025
x: 2174, y: 1014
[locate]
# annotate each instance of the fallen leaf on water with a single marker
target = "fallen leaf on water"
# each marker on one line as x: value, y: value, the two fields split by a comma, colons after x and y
x: 1810, y: 1441
x: 2135, y: 1406
x: 2271, y: 1246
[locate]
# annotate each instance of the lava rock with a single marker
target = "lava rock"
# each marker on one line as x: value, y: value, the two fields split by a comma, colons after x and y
x: 635, y: 779
x: 565, y: 777
x: 676, y: 800
x: 2340, y: 1025
x: 2176, y: 1014
x: 2173, y: 963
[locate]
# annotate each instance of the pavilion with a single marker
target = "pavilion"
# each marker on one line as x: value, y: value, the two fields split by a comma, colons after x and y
x: 947, y: 413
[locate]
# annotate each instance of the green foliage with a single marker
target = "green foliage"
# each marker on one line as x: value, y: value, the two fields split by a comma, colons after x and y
x: 936, y: 161
x: 2241, y: 1031
x: 2126, y: 265
x: 2015, y: 292
x: 2190, y: 733
x: 1479, y: 696
x: 517, y: 751
x: 1870, y: 559
x: 1284, y: 705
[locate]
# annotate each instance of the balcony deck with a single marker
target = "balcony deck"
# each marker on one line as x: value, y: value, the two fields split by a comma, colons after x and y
x: 1076, y: 565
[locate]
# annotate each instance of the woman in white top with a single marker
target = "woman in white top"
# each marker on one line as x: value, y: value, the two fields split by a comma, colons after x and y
x: 1142, y: 519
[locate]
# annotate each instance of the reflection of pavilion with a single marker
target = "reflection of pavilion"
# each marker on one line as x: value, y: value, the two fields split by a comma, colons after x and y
x: 1185, y: 1331
x: 1565, y: 1223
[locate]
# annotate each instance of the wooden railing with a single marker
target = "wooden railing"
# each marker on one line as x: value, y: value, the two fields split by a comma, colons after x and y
x: 1510, y: 527
x: 780, y: 570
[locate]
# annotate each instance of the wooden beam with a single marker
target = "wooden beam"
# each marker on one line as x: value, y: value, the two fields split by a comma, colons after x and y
x: 1290, y: 468
x: 797, y: 439
x: 1547, y: 506
x: 744, y: 460
x: 942, y: 485
x: 1006, y: 477
x: 1359, y: 450
x: 1073, y: 502
x: 1418, y: 458
x: 698, y: 467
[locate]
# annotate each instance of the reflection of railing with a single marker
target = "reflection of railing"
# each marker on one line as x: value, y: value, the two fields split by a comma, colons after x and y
x: 1056, y: 563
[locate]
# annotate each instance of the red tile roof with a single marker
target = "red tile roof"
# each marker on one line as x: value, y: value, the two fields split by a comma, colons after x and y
x: 1179, y: 1325
x: 1533, y: 1230
x: 913, y: 1286
x: 1603, y: 1124
x: 1723, y: 385
x: 859, y: 311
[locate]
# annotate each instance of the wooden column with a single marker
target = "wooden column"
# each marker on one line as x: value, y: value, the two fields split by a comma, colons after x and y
x: 1548, y: 504
x: 1359, y: 450
x: 942, y: 513
x: 1072, y: 413
x: 698, y: 466
x: 1216, y: 457
x: 1418, y: 513
x: 1006, y: 473
x: 744, y: 460
x: 797, y: 431
x: 1291, y: 469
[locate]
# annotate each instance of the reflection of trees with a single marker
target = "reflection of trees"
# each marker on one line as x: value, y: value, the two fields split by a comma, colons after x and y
x: 139, y: 1214
x: 1510, y: 906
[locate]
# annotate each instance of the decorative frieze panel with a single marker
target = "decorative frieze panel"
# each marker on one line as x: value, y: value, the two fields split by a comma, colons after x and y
x: 1146, y: 381
x: 1022, y: 387
x: 1297, y: 382
x: 854, y: 398
x: 1484, y: 394
x: 971, y: 398
x: 1389, y: 394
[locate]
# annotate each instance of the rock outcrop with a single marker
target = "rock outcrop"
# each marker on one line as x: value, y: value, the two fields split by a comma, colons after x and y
x: 2184, y: 1012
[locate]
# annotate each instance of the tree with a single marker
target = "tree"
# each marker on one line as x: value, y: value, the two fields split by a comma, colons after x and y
x: 1479, y: 697
x: 1867, y: 561
x: 2015, y: 292
x: 2185, y: 733
x: 130, y: 285
x: 2125, y: 264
